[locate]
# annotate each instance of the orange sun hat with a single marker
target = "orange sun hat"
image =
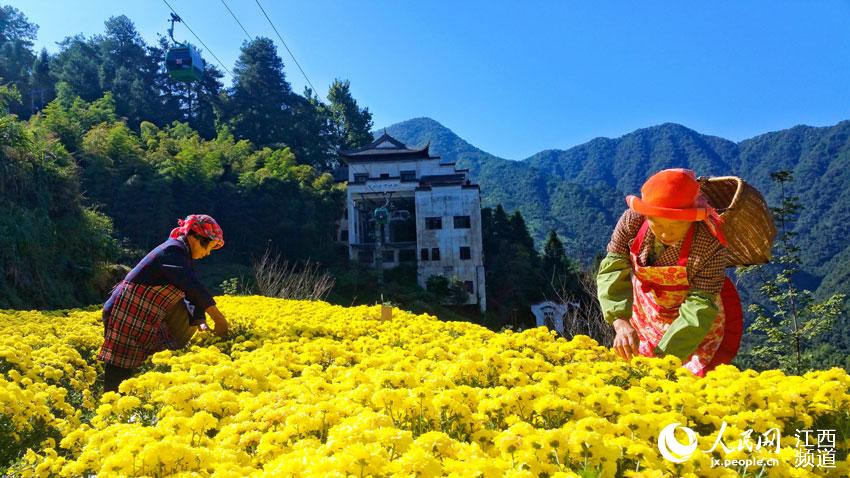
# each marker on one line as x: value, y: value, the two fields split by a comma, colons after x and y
x: 671, y: 194
x: 675, y: 194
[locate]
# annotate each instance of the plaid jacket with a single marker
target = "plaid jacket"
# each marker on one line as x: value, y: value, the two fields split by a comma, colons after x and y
x: 134, y: 329
x: 170, y: 263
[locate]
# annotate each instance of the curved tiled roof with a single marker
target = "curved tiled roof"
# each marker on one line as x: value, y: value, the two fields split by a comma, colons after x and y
x: 384, y: 147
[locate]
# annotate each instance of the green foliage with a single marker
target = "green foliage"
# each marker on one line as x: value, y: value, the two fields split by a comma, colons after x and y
x: 786, y: 331
x: 8, y: 96
x: 77, y: 65
x: 563, y: 274
x: 16, y: 57
x: 141, y: 183
x: 445, y: 290
x: 514, y: 274
x: 117, y: 142
x: 259, y: 103
x: 15, y: 26
x: 233, y: 286
x: 52, y: 247
x: 350, y: 125
x: 69, y: 117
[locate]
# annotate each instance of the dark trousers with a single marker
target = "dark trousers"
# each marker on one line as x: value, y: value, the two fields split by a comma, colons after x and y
x: 113, y: 376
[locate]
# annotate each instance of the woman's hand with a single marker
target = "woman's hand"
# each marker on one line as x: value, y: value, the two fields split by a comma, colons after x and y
x: 626, y: 342
x: 221, y: 324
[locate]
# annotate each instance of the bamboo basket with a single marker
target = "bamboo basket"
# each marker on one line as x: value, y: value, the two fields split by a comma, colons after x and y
x: 747, y: 220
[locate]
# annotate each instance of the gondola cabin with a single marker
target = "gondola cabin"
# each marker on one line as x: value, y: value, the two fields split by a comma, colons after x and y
x: 184, y: 63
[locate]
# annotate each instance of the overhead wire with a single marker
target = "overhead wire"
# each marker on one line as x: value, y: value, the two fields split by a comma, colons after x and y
x: 250, y: 37
x: 196, y: 36
x: 285, y: 45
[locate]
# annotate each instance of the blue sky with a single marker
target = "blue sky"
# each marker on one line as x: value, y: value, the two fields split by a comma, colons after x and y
x: 514, y: 78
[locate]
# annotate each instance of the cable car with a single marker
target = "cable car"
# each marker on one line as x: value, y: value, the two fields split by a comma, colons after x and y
x: 382, y: 215
x: 182, y: 61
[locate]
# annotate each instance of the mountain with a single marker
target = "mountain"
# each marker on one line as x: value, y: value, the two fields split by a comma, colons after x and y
x: 579, y: 191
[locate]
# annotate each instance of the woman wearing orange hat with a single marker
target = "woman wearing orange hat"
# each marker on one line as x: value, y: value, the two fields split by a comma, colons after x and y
x: 663, y: 283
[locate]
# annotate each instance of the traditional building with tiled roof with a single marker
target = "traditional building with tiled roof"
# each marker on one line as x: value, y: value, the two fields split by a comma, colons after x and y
x: 434, y: 214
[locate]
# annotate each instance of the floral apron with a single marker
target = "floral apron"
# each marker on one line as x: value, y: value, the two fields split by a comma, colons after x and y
x: 659, y: 291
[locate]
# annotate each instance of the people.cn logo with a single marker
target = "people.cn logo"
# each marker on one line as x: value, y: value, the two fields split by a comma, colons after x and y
x: 671, y: 448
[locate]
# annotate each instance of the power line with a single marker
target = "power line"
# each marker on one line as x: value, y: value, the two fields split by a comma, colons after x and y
x: 199, y: 38
x: 237, y: 20
x: 285, y: 46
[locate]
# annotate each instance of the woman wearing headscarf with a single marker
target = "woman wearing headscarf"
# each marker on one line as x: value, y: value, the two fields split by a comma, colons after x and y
x: 663, y: 284
x: 162, y: 289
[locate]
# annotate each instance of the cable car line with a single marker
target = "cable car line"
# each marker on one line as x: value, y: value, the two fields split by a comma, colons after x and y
x: 237, y: 20
x: 199, y: 38
x: 285, y: 46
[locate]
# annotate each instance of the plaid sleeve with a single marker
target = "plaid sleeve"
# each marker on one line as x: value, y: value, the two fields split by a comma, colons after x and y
x: 625, y: 230
x: 178, y: 271
x: 708, y: 262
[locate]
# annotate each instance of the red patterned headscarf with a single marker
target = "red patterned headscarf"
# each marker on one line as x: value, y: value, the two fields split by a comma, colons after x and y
x: 203, y: 225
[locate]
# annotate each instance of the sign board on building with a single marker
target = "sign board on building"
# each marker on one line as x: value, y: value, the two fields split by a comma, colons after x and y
x: 383, y: 187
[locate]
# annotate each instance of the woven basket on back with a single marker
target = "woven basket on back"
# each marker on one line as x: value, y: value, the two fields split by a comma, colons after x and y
x: 747, y: 220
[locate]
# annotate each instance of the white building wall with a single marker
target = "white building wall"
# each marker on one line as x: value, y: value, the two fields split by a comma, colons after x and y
x: 423, y: 167
x: 447, y: 202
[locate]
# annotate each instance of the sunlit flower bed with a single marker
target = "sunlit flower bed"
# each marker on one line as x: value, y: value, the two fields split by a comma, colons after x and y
x: 310, y: 389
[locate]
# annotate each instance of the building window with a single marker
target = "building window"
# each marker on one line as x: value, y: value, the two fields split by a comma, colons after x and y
x: 360, y: 178
x: 423, y: 255
x: 389, y: 256
x: 465, y: 253
x: 385, y: 175
x: 407, y: 255
x: 343, y: 235
x: 470, y: 286
x: 435, y: 254
x: 408, y: 176
x: 462, y: 222
x: 433, y: 223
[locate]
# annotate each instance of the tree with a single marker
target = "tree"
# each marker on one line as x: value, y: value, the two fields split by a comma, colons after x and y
x: 553, y: 250
x: 8, y: 95
x: 515, y: 279
x: 794, y: 320
x: 42, y: 86
x: 69, y: 117
x: 259, y: 106
x: 311, y: 138
x: 14, y: 26
x: 450, y: 291
x: 52, y: 248
x: 78, y: 66
x: 351, y: 126
x: 16, y: 56
x: 208, y: 101
x: 563, y: 274
x: 128, y: 71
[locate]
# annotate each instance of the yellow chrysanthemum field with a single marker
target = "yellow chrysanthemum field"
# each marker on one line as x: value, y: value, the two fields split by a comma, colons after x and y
x: 310, y: 389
